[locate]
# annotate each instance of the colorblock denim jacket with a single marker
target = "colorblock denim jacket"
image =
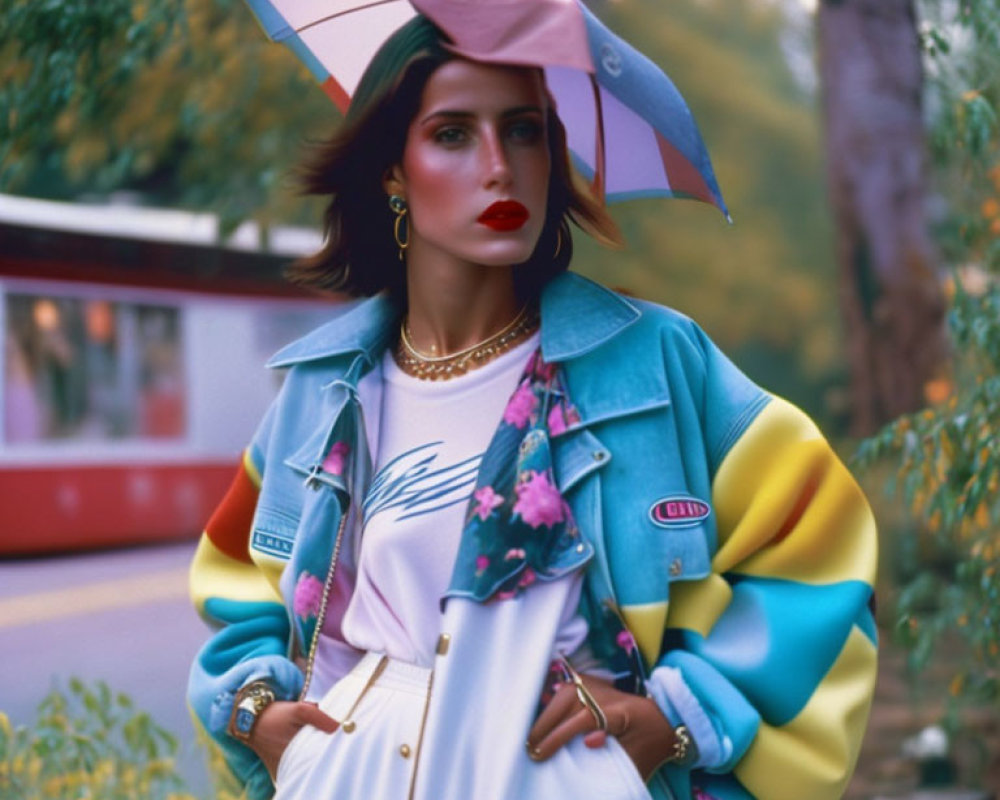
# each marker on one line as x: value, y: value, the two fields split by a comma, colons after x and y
x: 721, y: 538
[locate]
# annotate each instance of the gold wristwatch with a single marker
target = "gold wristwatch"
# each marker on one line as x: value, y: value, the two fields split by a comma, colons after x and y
x: 250, y: 701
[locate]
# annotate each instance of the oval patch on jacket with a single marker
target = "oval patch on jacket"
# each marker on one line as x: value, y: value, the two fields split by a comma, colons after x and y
x: 677, y: 511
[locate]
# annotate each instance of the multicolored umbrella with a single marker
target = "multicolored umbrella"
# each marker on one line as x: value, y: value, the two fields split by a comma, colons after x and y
x: 628, y: 126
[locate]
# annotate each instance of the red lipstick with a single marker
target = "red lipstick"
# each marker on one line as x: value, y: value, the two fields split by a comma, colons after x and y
x: 504, y: 215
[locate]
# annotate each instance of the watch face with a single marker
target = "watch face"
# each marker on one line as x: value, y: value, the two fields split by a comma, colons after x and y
x: 243, y: 723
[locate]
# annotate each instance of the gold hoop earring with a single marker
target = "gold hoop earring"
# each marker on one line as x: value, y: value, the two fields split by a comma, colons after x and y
x: 399, y: 208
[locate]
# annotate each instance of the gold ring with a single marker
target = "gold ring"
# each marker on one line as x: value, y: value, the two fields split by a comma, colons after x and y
x: 591, y: 705
x: 589, y: 701
x: 533, y: 752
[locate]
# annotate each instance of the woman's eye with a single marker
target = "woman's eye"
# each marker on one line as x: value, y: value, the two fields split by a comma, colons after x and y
x: 450, y: 135
x: 527, y: 131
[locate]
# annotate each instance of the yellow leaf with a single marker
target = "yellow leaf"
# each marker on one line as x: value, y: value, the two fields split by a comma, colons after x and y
x: 938, y: 390
x: 934, y: 523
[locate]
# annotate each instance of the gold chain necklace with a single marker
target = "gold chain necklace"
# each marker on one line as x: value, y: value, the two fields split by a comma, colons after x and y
x: 437, y: 368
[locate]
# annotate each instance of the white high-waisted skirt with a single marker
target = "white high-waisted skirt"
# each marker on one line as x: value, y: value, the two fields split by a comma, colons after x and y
x: 375, y: 753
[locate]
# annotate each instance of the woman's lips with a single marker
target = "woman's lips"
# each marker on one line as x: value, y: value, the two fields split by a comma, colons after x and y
x: 504, y: 215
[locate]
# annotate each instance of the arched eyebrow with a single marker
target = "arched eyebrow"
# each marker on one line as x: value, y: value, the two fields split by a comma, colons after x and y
x: 457, y: 114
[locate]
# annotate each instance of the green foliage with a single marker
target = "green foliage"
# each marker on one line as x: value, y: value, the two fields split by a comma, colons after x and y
x: 88, y: 742
x: 71, y: 55
x: 184, y: 101
x: 948, y: 457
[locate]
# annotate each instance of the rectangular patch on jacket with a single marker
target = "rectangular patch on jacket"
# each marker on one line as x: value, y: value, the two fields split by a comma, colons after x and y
x: 678, y: 511
x: 272, y: 545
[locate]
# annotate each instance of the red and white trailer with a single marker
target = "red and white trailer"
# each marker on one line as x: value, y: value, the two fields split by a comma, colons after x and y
x: 132, y: 368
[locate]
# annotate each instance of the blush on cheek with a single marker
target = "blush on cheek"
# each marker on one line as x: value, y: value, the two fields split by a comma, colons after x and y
x: 435, y: 182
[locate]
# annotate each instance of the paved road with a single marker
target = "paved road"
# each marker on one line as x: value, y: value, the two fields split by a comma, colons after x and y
x: 121, y: 616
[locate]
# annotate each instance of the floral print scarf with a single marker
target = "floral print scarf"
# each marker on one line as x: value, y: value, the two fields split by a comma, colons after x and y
x: 519, y: 529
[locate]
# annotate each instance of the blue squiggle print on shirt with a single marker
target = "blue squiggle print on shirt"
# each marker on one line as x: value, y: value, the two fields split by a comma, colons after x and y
x: 410, y: 483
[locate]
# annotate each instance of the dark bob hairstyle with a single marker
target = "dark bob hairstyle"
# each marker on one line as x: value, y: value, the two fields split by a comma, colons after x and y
x: 359, y: 255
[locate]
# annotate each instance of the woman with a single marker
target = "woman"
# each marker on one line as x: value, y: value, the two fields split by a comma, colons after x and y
x: 538, y: 466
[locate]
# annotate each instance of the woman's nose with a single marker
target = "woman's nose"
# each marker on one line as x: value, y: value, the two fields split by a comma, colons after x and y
x: 496, y: 168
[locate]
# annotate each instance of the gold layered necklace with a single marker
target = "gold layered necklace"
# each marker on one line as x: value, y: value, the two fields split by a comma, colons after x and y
x: 437, y: 368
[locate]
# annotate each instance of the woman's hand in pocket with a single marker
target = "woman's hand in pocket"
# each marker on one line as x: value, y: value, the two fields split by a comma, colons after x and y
x: 637, y: 722
x: 278, y: 723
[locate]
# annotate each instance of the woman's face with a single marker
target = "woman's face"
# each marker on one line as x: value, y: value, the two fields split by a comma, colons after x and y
x: 475, y: 168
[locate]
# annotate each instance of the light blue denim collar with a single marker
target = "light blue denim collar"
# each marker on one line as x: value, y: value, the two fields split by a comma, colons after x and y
x: 578, y: 316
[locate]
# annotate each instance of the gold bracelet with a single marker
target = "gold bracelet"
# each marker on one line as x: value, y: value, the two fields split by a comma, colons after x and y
x: 684, y: 751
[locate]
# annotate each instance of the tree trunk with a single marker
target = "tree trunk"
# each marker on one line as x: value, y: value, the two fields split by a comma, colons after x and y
x: 890, y: 295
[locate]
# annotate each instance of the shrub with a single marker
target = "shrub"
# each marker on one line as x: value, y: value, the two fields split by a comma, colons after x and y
x: 88, y: 743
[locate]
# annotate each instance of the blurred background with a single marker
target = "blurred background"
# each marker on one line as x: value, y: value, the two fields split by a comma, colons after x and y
x: 147, y: 211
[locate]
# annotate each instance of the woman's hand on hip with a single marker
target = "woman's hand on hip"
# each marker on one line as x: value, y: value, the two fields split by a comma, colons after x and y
x: 278, y: 723
x: 637, y: 722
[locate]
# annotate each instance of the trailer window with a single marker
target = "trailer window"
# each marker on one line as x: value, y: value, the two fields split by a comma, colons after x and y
x: 82, y: 369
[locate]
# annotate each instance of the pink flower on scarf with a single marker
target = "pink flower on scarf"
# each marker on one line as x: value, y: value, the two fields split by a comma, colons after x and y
x: 557, y: 420
x: 514, y: 552
x: 527, y: 578
x: 308, y: 596
x: 625, y: 641
x: 505, y: 595
x: 701, y: 794
x: 520, y: 406
x: 561, y: 417
x: 334, y: 461
x: 538, y: 367
x: 486, y: 500
x: 539, y: 502
x: 482, y: 562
